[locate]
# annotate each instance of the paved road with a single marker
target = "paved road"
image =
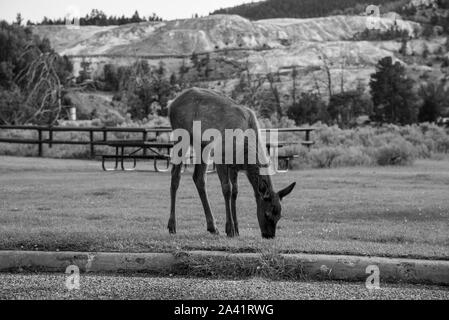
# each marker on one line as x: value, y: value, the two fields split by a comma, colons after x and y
x: 52, y: 286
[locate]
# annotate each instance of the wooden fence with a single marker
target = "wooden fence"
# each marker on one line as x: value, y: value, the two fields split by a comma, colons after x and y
x: 50, y: 140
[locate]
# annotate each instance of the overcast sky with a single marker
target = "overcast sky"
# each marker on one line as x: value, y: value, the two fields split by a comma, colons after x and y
x: 35, y: 10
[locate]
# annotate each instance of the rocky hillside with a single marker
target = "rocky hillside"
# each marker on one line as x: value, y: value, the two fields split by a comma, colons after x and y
x: 182, y: 37
x: 233, y: 42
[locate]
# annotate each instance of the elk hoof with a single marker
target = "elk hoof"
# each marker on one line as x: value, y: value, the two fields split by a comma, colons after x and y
x: 231, y: 232
x: 214, y: 231
x: 172, y: 227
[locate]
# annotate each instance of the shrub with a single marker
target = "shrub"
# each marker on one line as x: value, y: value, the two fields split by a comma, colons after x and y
x: 386, y: 145
x: 324, y: 157
x: 353, y: 157
x: 307, y: 109
x: 395, y: 153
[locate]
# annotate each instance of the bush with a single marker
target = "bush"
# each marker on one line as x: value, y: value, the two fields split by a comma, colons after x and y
x: 307, y: 109
x: 395, y: 153
x: 386, y: 145
x: 363, y: 146
x: 324, y: 157
x: 353, y: 157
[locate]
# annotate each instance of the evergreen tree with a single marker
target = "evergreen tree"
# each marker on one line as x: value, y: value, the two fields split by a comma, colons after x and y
x: 435, y: 98
x: 136, y: 18
x: 19, y: 19
x: 392, y: 93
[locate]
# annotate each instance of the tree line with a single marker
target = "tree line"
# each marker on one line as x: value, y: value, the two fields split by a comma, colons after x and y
x: 393, y: 97
x: 297, y: 8
x: 97, y: 18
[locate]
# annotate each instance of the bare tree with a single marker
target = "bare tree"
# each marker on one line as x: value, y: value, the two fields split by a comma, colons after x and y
x: 343, y: 69
x: 295, y: 83
x: 275, y: 91
x: 41, y: 86
x: 251, y: 84
x: 326, y: 67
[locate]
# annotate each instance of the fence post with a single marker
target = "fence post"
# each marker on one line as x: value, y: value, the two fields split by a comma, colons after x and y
x: 308, y: 132
x: 39, y: 134
x: 145, y: 136
x: 50, y: 138
x: 92, y: 148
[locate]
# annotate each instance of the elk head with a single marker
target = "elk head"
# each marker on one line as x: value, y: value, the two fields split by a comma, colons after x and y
x: 269, y: 206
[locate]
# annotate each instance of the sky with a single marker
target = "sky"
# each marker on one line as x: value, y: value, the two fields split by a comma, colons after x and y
x: 35, y: 10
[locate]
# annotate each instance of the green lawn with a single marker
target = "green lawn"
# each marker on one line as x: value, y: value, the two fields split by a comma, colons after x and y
x: 48, y: 204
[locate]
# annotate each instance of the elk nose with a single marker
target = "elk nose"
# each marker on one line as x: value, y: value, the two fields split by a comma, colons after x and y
x: 268, y: 236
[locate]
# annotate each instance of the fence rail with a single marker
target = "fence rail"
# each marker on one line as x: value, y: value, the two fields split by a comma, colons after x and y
x: 50, y: 141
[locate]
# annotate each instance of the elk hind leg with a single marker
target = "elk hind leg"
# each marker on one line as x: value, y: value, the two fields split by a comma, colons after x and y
x: 175, y: 180
x: 233, y: 175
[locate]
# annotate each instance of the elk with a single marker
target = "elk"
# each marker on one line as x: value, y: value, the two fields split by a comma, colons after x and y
x: 216, y: 111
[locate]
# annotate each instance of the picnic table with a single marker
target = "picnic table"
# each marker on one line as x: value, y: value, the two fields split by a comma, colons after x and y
x: 153, y: 146
x: 154, y: 150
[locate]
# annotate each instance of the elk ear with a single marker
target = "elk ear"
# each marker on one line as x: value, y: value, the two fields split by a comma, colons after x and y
x: 264, y: 191
x: 285, y: 192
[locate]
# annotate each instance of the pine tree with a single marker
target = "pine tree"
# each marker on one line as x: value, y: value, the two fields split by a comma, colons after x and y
x: 392, y: 93
x: 435, y: 97
x: 19, y: 19
x: 136, y: 18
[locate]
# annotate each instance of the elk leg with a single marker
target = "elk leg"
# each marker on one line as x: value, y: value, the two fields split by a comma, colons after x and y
x: 175, y: 179
x: 199, y: 177
x: 223, y: 174
x: 233, y: 175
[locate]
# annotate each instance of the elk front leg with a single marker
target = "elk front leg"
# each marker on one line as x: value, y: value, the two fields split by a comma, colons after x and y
x: 223, y: 174
x: 175, y: 179
x: 199, y: 177
x: 233, y: 175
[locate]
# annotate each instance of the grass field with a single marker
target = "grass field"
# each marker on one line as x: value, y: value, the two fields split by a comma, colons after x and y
x: 48, y: 204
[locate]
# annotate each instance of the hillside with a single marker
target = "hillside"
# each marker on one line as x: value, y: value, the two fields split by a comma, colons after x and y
x: 234, y: 43
x: 270, y: 9
x: 218, y: 32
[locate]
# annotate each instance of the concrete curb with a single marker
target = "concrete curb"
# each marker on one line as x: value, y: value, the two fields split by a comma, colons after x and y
x: 305, y: 266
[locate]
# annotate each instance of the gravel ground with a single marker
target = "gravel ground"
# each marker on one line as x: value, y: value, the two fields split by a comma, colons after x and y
x: 52, y: 286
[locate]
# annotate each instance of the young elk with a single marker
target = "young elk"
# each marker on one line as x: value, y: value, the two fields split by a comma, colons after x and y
x: 215, y: 111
